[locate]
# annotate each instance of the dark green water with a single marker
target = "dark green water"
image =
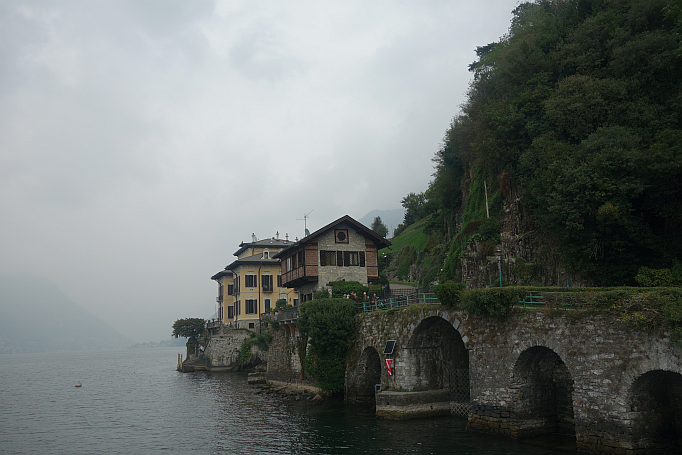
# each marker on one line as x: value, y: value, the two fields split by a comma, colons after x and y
x: 134, y: 402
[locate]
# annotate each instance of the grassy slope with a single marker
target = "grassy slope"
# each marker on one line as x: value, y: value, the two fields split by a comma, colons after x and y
x: 412, y: 236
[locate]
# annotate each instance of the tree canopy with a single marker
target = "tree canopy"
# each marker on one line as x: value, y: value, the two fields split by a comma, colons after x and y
x: 577, y: 110
x: 190, y: 328
x: 379, y: 227
x: 330, y: 326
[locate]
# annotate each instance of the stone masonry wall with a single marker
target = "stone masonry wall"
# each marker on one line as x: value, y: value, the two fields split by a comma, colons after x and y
x: 223, y: 349
x: 284, y: 363
x: 356, y: 242
x: 590, y: 360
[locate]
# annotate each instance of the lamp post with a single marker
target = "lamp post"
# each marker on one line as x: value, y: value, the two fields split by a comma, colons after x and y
x: 498, y: 251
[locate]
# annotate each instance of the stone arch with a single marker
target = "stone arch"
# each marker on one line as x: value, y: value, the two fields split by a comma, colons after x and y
x: 361, y: 380
x: 440, y: 360
x: 656, y: 407
x: 544, y: 393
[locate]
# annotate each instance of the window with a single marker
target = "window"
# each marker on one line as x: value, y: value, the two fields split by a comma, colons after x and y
x: 238, y: 308
x: 279, y: 281
x: 251, y: 306
x: 266, y: 254
x: 252, y: 325
x: 342, y: 258
x: 266, y: 281
x: 230, y: 312
x: 341, y: 235
x: 351, y: 258
x: 327, y: 258
x: 266, y: 305
x: 288, y: 267
x: 230, y: 289
x: 251, y: 281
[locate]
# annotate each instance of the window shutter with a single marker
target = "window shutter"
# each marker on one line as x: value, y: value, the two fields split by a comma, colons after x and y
x: 346, y: 258
x: 323, y: 258
x: 362, y: 258
x: 339, y: 258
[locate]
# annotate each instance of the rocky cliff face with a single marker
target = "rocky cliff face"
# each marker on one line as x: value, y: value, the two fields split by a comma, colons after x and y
x: 523, y: 257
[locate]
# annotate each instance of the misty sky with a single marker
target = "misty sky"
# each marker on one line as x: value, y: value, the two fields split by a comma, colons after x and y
x: 142, y: 141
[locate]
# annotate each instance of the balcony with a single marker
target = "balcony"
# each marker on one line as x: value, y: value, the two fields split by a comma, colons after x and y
x: 300, y: 276
x: 218, y: 299
x: 288, y: 315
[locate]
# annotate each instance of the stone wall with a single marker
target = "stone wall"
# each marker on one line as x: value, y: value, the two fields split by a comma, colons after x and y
x: 580, y: 373
x: 222, y: 350
x: 330, y: 273
x: 284, y: 364
x: 569, y: 372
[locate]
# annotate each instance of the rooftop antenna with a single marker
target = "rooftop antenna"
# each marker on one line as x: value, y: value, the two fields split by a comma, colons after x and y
x: 305, y: 222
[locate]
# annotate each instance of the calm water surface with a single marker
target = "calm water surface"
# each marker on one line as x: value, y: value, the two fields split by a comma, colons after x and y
x: 134, y: 402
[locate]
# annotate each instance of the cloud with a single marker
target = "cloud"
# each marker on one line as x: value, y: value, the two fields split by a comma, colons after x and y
x: 143, y: 140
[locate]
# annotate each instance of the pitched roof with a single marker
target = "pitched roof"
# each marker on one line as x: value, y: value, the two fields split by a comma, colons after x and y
x: 222, y: 273
x: 264, y: 243
x: 379, y: 240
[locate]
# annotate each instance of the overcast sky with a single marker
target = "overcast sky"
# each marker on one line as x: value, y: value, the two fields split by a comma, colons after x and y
x: 142, y: 141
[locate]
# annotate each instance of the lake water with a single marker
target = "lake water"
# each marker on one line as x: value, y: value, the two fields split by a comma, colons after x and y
x: 134, y: 402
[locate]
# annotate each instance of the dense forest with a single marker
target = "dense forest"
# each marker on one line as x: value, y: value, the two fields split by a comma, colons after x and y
x: 577, y: 113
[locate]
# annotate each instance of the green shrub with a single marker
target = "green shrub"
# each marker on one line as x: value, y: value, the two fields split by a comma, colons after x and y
x: 448, y: 293
x: 492, y: 302
x: 670, y: 302
x: 648, y: 278
x: 341, y: 288
x: 321, y: 294
x: 262, y: 341
x: 330, y: 326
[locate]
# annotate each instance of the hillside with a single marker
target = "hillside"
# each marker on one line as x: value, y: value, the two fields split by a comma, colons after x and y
x: 36, y: 316
x: 566, y: 159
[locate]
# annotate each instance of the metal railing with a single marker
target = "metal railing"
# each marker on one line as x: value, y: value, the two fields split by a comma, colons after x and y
x: 538, y: 299
x: 427, y: 298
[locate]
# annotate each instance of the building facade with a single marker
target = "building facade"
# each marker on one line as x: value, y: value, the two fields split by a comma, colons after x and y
x: 343, y: 250
x: 251, y: 285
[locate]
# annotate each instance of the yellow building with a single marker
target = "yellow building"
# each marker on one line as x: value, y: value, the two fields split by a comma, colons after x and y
x: 251, y: 285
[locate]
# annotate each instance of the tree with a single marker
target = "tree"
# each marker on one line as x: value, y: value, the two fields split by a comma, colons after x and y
x: 379, y: 227
x: 413, y: 204
x: 190, y: 328
x: 330, y: 326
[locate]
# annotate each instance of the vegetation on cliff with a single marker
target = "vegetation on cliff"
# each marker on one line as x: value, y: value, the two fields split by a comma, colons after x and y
x: 577, y: 111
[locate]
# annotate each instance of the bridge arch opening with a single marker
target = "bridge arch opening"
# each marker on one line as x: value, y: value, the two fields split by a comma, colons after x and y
x: 545, y: 393
x: 656, y: 404
x: 441, y: 361
x: 361, y: 381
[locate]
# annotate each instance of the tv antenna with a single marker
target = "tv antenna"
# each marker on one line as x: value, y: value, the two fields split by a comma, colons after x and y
x: 305, y: 222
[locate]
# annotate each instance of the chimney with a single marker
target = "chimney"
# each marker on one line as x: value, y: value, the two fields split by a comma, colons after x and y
x: 277, y: 235
x: 287, y: 236
x: 253, y: 237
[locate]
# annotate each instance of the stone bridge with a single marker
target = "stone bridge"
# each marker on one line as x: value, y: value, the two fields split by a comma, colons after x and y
x: 569, y: 372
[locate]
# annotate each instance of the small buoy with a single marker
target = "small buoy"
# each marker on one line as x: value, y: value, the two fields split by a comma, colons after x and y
x: 78, y: 384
